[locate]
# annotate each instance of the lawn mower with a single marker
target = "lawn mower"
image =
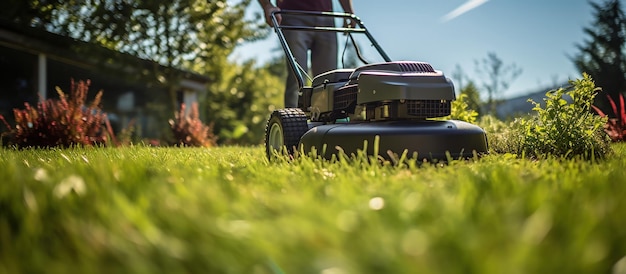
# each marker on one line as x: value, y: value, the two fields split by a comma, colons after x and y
x: 383, y: 108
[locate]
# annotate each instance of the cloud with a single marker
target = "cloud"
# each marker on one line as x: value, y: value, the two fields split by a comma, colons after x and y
x: 467, y: 6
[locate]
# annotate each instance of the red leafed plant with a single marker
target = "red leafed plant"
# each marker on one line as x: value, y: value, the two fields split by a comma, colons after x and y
x: 189, y: 130
x: 615, y: 127
x: 62, y: 122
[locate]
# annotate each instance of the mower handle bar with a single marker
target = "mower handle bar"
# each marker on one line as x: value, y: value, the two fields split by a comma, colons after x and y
x: 283, y: 42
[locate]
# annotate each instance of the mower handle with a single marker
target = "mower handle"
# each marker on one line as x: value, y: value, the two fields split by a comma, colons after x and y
x: 283, y: 42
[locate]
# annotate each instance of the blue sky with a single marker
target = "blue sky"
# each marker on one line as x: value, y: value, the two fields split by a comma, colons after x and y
x: 536, y: 35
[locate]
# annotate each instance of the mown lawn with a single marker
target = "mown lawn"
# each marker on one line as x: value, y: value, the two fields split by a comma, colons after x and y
x: 227, y: 210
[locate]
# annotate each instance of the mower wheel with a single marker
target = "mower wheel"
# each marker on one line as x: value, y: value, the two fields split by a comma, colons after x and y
x: 283, y: 131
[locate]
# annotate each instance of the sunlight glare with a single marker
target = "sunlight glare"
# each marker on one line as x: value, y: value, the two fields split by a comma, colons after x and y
x: 467, y: 6
x: 377, y: 203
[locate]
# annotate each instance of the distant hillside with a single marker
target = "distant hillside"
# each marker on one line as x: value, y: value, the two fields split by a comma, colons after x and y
x: 519, y: 105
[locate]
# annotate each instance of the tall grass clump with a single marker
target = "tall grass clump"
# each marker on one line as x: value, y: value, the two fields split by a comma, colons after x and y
x: 565, y: 129
x: 503, y: 137
x: 64, y: 122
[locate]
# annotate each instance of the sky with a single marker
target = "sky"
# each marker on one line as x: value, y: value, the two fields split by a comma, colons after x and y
x: 538, y: 36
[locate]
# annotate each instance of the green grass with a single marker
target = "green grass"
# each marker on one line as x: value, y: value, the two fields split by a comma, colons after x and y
x: 227, y: 210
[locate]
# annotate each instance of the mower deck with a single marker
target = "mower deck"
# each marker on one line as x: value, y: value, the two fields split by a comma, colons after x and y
x: 429, y: 139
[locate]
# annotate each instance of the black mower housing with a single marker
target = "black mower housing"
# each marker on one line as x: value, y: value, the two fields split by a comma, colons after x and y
x: 382, y: 91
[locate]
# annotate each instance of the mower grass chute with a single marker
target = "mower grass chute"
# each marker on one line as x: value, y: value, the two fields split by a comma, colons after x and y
x: 390, y: 102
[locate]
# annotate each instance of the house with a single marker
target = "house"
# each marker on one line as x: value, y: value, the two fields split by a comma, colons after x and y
x: 135, y: 91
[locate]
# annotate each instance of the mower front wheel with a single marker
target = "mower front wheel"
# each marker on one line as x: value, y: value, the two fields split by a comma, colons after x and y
x: 283, y: 131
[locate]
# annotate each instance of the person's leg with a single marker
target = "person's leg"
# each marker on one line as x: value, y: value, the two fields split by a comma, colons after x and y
x: 324, y: 49
x: 299, y: 43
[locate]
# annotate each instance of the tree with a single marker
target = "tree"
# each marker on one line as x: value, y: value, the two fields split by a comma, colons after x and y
x: 239, y: 101
x: 499, y: 77
x: 602, y: 55
x: 182, y: 34
x: 472, y: 97
x: 469, y: 89
x: 179, y: 34
x: 29, y: 13
x: 459, y: 77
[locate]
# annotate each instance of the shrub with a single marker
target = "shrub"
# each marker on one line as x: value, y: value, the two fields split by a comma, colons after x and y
x: 461, y: 111
x: 62, y: 122
x: 502, y: 137
x: 615, y: 127
x: 565, y: 129
x: 239, y: 101
x: 188, y: 129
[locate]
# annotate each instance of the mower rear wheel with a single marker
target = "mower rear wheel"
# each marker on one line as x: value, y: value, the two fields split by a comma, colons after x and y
x: 283, y: 131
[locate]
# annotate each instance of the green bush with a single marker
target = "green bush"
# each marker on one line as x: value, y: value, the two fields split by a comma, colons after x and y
x: 502, y: 137
x: 239, y: 102
x: 461, y: 111
x: 565, y: 129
